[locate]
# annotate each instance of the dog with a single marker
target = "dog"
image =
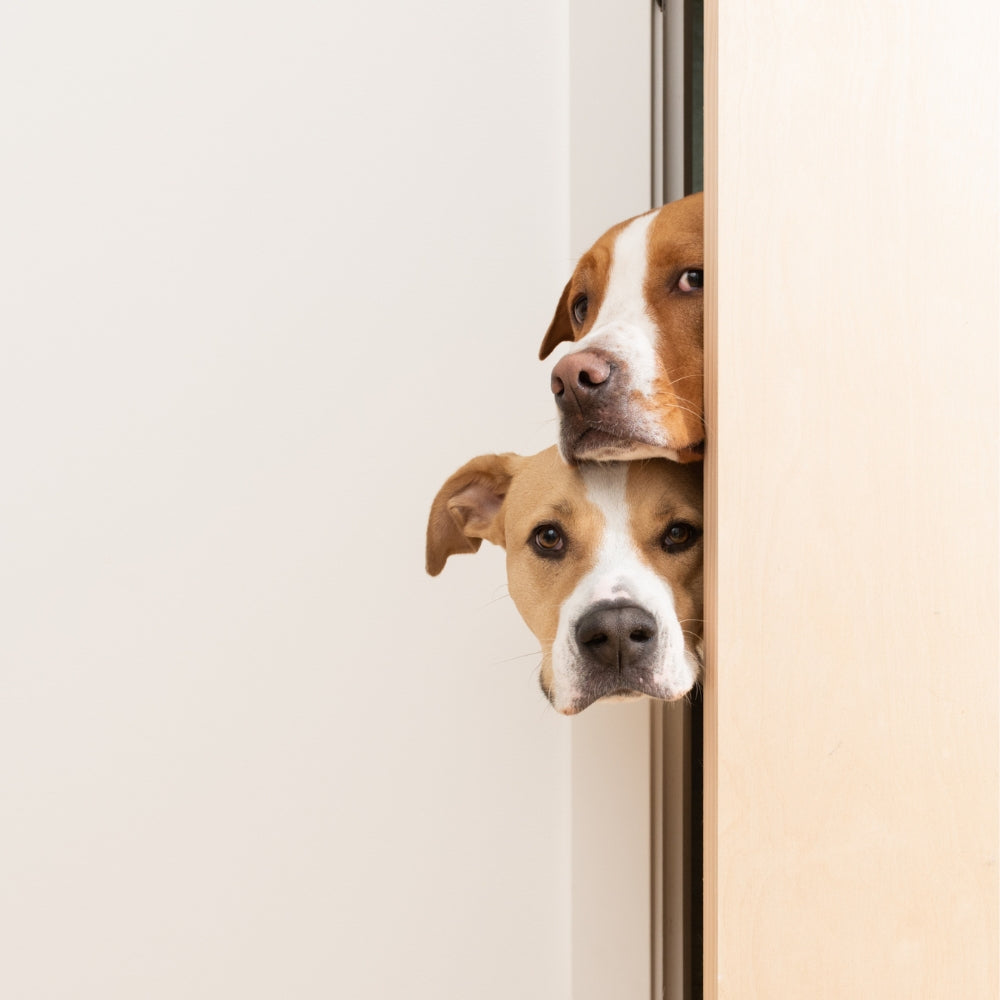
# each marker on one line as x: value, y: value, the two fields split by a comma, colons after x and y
x: 604, y: 563
x: 632, y: 387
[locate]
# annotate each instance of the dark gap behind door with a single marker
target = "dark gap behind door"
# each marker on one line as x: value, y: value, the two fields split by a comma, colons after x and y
x: 694, y: 131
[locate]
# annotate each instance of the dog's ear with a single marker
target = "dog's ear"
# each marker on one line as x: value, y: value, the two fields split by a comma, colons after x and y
x: 560, y: 328
x: 468, y: 509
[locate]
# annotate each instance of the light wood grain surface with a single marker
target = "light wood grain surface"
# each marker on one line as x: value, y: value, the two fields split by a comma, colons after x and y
x: 852, y: 780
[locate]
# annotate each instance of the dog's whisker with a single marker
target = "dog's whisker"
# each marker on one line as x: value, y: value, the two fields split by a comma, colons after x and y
x: 513, y: 659
x: 504, y: 596
x: 686, y: 409
x: 496, y: 600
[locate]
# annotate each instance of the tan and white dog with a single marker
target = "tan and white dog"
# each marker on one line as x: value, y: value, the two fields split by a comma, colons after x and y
x: 632, y: 388
x: 604, y: 563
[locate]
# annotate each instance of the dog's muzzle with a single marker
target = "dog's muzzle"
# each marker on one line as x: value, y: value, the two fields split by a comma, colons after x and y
x: 616, y: 645
x: 597, y: 417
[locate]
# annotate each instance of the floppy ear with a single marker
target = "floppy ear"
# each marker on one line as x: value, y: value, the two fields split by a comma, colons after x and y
x: 560, y: 328
x: 468, y: 508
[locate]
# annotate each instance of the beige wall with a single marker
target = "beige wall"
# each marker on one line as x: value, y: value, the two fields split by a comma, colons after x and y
x: 852, y: 704
x: 271, y: 271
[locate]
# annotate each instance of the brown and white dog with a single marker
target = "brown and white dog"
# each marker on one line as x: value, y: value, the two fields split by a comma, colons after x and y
x: 603, y: 563
x: 632, y: 388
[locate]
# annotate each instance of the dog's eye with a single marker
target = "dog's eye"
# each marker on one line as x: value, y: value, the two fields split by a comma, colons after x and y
x: 680, y: 536
x: 691, y: 280
x: 579, y: 309
x: 548, y: 540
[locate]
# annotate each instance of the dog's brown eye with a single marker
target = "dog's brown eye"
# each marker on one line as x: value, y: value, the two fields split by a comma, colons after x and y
x: 691, y: 280
x: 680, y: 536
x: 580, y: 309
x: 548, y: 540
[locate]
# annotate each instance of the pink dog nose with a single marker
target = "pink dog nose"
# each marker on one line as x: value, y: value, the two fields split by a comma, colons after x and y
x: 583, y: 372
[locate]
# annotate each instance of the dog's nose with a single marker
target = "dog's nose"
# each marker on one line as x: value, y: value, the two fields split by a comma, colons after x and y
x: 617, y: 637
x: 580, y: 375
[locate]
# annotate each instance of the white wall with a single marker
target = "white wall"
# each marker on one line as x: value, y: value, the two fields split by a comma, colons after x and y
x: 270, y: 273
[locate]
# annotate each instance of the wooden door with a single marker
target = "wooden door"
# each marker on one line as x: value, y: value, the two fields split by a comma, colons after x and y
x: 851, y: 705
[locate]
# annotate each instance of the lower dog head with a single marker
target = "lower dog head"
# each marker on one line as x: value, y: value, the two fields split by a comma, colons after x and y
x: 604, y: 563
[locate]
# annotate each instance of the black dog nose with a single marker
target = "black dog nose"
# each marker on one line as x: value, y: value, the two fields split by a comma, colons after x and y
x: 617, y: 637
x: 579, y: 376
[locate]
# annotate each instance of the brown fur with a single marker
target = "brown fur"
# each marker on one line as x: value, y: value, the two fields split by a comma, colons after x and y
x: 466, y: 509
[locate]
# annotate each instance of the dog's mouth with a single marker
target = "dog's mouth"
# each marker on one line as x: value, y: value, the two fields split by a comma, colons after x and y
x: 598, y: 444
x: 613, y: 689
x: 596, y: 439
x: 601, y: 444
x: 596, y: 689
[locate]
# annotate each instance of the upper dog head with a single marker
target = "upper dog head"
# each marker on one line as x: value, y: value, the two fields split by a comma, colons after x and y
x: 632, y: 388
x: 603, y: 563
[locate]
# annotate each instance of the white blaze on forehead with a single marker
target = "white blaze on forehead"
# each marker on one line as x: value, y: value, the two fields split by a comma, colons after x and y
x: 619, y: 574
x: 624, y: 297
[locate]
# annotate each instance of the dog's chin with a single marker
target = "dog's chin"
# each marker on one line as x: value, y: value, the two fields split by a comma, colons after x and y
x: 616, y: 689
x: 600, y: 445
